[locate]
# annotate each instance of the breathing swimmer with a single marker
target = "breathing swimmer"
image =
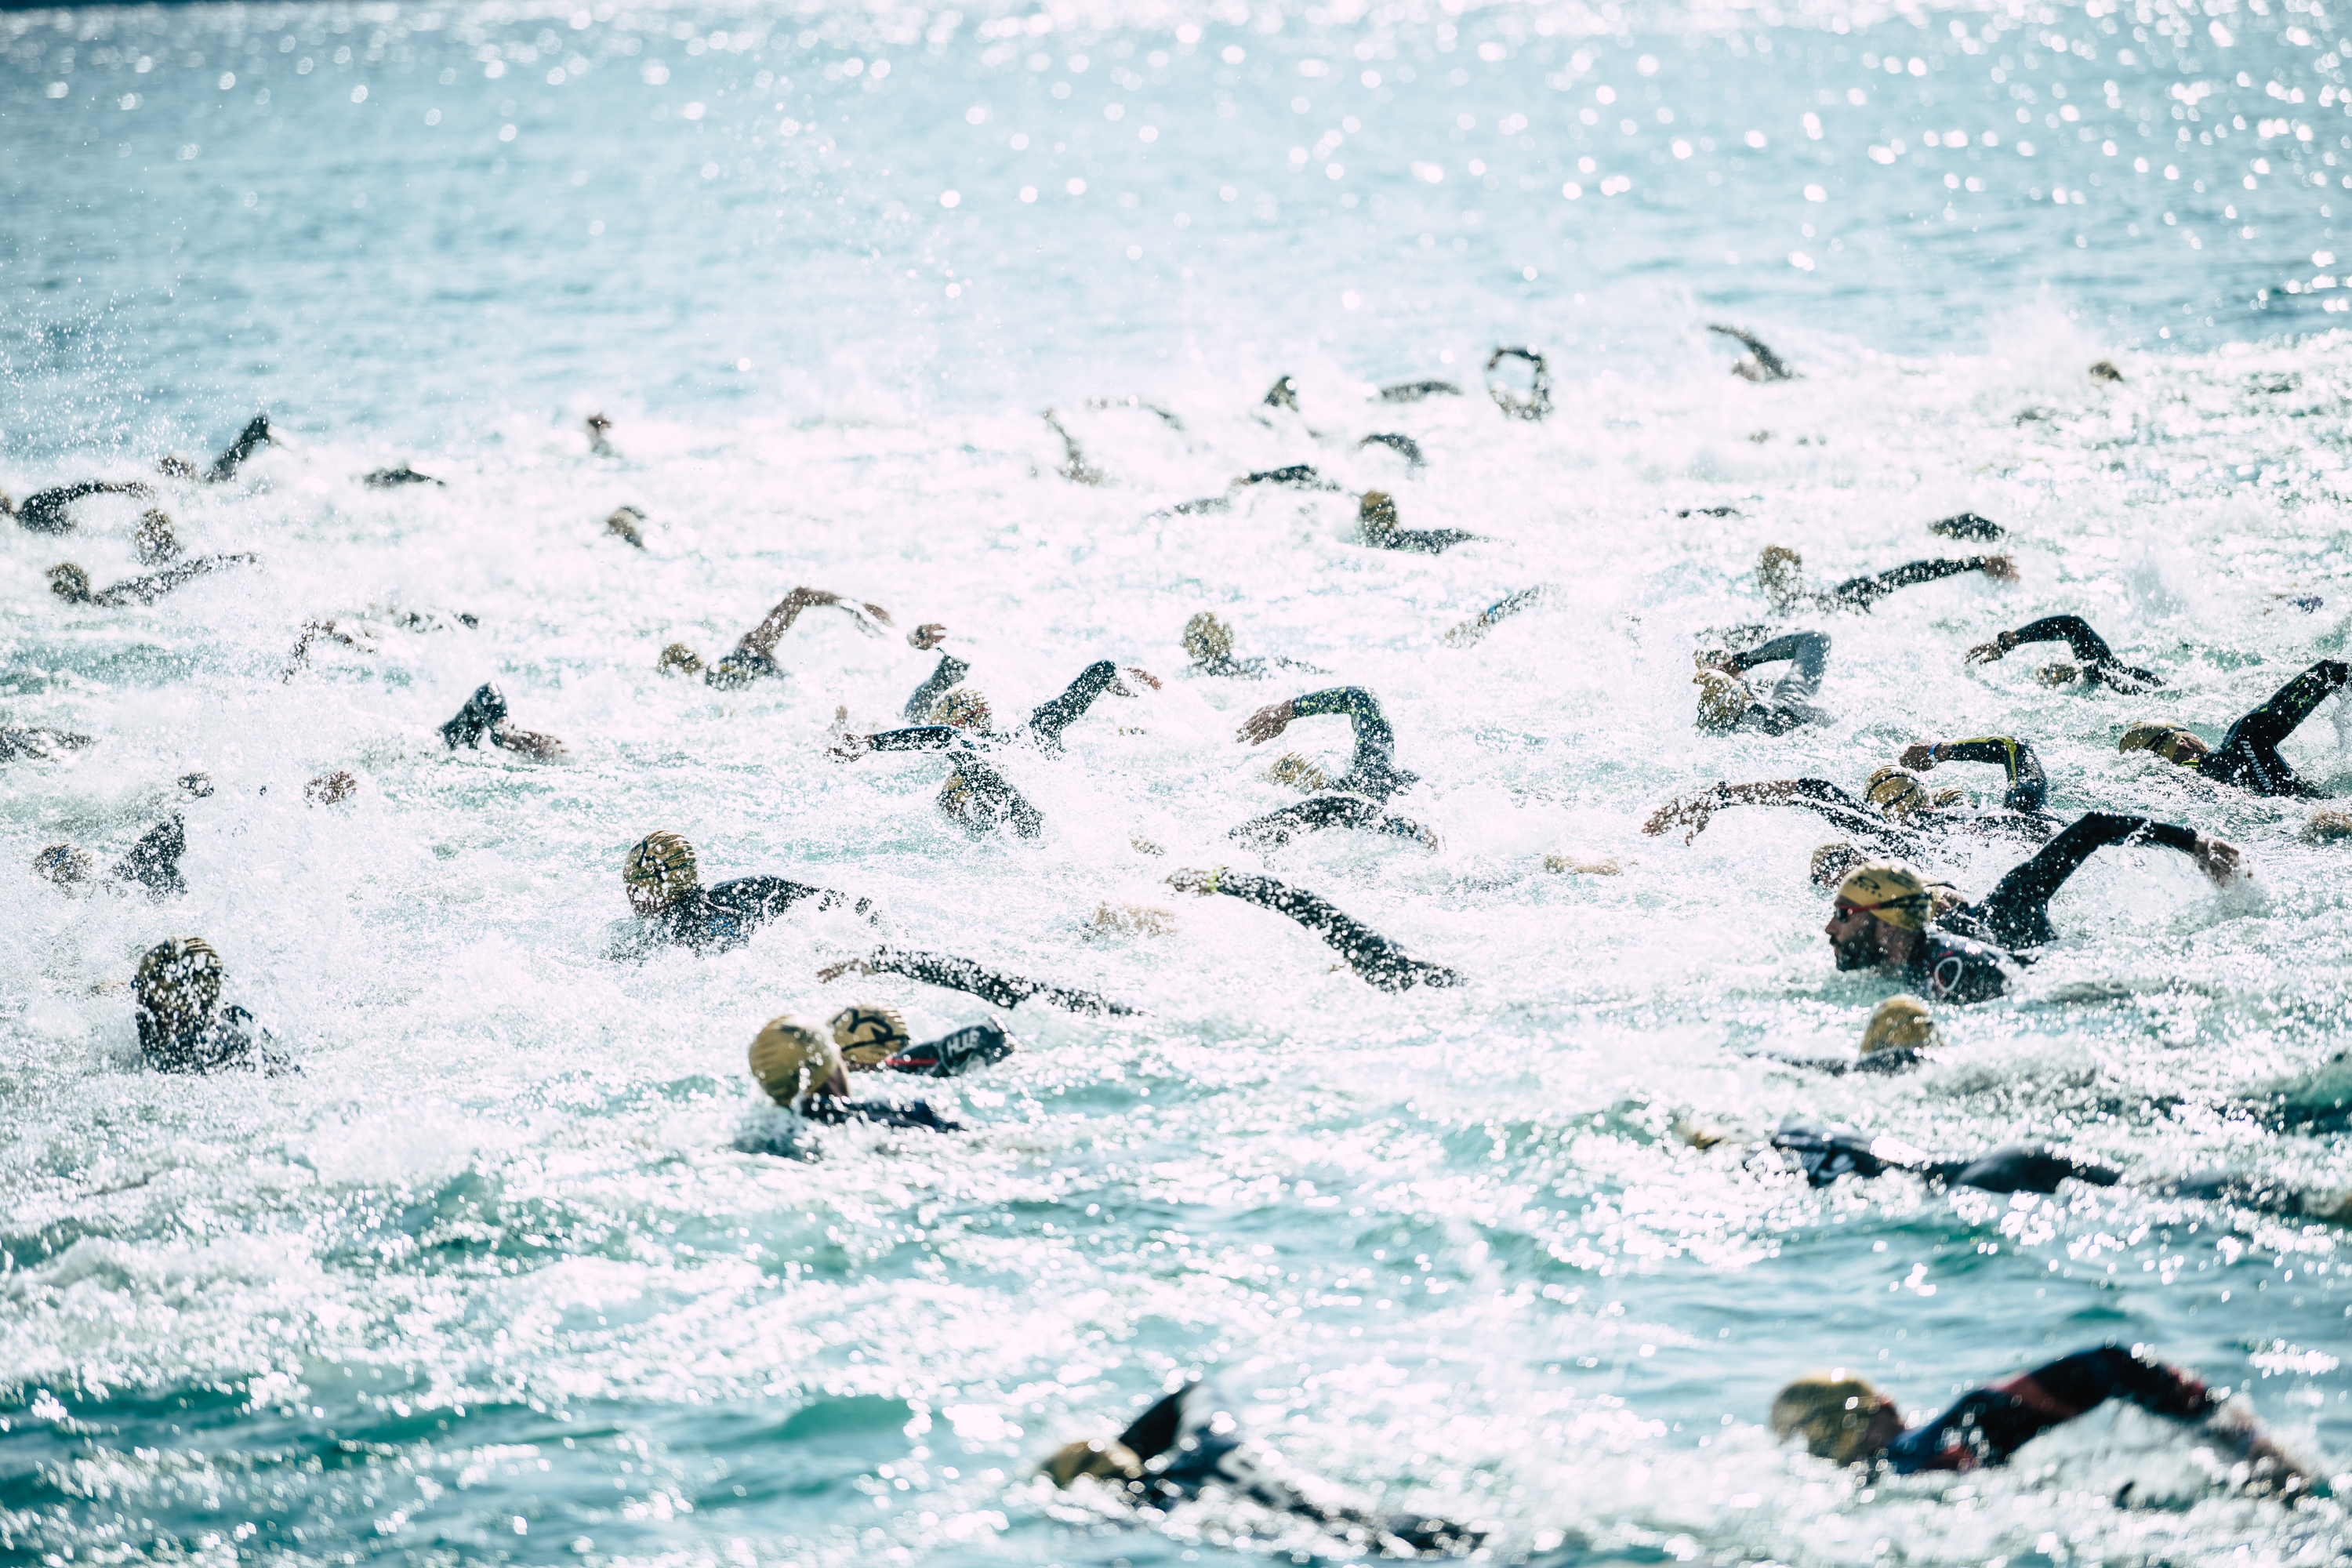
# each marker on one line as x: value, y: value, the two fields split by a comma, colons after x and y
x: 1210, y: 642
x: 1377, y: 959
x: 1355, y: 798
x: 1781, y: 573
x: 484, y: 713
x: 753, y: 655
x: 673, y: 909
x: 1376, y: 525
x: 1897, y: 812
x: 2248, y: 756
x: 2098, y: 666
x: 1726, y: 703
x: 802, y: 1071
x: 182, y: 1027
x: 71, y: 584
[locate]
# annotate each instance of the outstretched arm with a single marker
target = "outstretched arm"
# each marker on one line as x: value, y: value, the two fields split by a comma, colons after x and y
x: 949, y: 671
x: 1862, y: 593
x: 2073, y: 630
x: 920, y: 738
x: 990, y: 985
x: 1813, y: 794
x: 761, y: 639
x: 1050, y: 718
x: 1371, y: 955
x: 2029, y: 787
x: 2016, y: 912
x: 1373, y: 767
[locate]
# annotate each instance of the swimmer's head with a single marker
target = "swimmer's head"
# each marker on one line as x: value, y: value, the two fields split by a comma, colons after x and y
x: 1886, y: 892
x: 179, y: 982
x: 2170, y: 741
x: 1105, y: 1459
x: 1207, y: 637
x: 1900, y: 1023
x: 679, y: 659
x: 329, y: 788
x: 1896, y: 793
x: 69, y: 582
x: 867, y: 1035
x: 1842, y: 1418
x: 2058, y: 674
x: 789, y: 1060
x: 2328, y: 826
x: 1299, y: 773
x: 1722, y: 699
x: 1832, y: 861
x: 658, y: 871
x: 962, y: 707
x: 154, y: 539
x: 63, y: 864
x: 1781, y: 571
x: 1377, y: 512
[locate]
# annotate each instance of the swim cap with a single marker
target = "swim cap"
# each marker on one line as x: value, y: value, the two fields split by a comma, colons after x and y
x: 956, y: 797
x: 1102, y: 1461
x: 155, y: 539
x: 1207, y: 637
x: 661, y: 861
x: 680, y: 657
x: 179, y: 982
x: 1781, y: 571
x: 867, y: 1035
x: 2164, y: 740
x: 1896, y: 793
x: 1888, y: 891
x: 1722, y: 699
x: 963, y: 707
x: 68, y: 582
x: 1832, y: 1412
x: 791, y: 1059
x: 2058, y: 674
x: 1832, y: 861
x: 1298, y: 772
x: 2327, y: 825
x: 1900, y: 1023
x: 63, y: 864
x: 1377, y: 512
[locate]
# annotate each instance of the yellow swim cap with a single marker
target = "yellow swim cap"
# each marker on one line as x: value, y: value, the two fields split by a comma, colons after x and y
x: 1298, y: 772
x: 1102, y: 1461
x: 1832, y: 861
x: 1900, y: 1023
x: 1207, y: 637
x: 63, y: 864
x: 1896, y: 793
x: 1832, y: 1412
x: 179, y: 982
x: 680, y: 657
x: 2325, y: 826
x: 2164, y: 740
x: 662, y: 861
x: 2058, y: 674
x: 1377, y: 512
x: 1781, y: 571
x: 1722, y: 699
x: 791, y: 1059
x: 867, y: 1035
x: 68, y: 582
x: 962, y: 707
x: 1886, y: 892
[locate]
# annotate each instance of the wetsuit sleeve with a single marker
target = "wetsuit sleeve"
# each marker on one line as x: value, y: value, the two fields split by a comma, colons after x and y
x: 1051, y: 719
x: 2028, y: 786
x: 1862, y: 593
x: 922, y: 738
x: 1373, y: 767
x: 2073, y: 630
x: 975, y: 1044
x: 2249, y: 756
x: 155, y: 861
x: 1790, y: 645
x: 951, y: 670
x: 988, y: 984
x: 1946, y: 968
x: 165, y: 581
x: 2016, y: 913
x: 1989, y: 1424
x: 756, y: 898
x: 1371, y: 955
x: 1854, y: 817
x: 2020, y: 1168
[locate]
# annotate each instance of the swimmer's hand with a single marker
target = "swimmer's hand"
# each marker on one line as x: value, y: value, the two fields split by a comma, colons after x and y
x: 846, y: 966
x: 1693, y: 809
x: 2219, y: 860
x: 927, y: 636
x: 1987, y: 652
x: 2000, y: 568
x: 1919, y: 758
x: 1193, y: 880
x: 528, y: 743
x: 1140, y: 673
x: 1265, y: 723
x: 850, y: 748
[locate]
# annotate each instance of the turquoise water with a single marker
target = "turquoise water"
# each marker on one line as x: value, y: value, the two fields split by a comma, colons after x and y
x: 499, y: 1275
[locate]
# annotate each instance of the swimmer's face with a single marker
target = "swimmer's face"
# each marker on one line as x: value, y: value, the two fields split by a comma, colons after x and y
x: 1886, y: 1425
x: 2181, y: 746
x: 1854, y: 938
x: 646, y: 898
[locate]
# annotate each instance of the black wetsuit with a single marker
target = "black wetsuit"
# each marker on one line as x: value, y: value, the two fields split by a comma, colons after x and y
x: 828, y: 1109
x: 1790, y: 703
x: 392, y: 478
x: 2099, y: 664
x: 1380, y: 961
x: 1822, y: 1154
x: 1863, y: 592
x: 2028, y: 786
x: 147, y: 590
x: 155, y: 861
x: 949, y: 1056
x: 737, y: 667
x: 2016, y: 913
x: 989, y: 800
x: 1419, y: 540
x: 1945, y: 968
x: 254, y: 434
x: 1191, y: 1442
x: 46, y: 511
x: 1358, y: 795
x: 1966, y: 525
x: 991, y: 986
x: 1231, y: 668
x: 1989, y: 1424
x: 2249, y: 756
x: 949, y: 674
x: 34, y: 741
x: 230, y: 1039
x: 721, y: 918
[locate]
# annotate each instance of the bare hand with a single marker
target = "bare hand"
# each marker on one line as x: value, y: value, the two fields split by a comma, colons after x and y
x: 1984, y: 653
x: 850, y: 748
x: 1193, y: 880
x: 2000, y: 568
x: 846, y: 966
x: 879, y: 614
x: 530, y: 743
x: 928, y: 636
x: 1145, y: 676
x: 2218, y: 860
x: 1693, y: 809
x: 1265, y: 723
x: 1919, y: 758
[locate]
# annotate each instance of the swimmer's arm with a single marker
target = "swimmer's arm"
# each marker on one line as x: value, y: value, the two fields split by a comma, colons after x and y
x: 1696, y: 809
x: 919, y: 737
x: 1788, y: 645
x: 2029, y: 787
x: 1375, y: 740
x: 762, y: 639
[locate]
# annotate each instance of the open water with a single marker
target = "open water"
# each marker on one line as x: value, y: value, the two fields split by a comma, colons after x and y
x: 495, y: 1279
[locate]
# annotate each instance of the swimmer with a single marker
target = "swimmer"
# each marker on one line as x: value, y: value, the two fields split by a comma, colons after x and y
x: 2098, y: 666
x: 2028, y: 786
x: 1882, y: 920
x: 1845, y: 1420
x: 991, y: 986
x: 255, y: 435
x: 394, y: 479
x: 1502, y: 609
x: 17, y: 741
x: 1283, y: 394
x: 1404, y: 447
x: 1968, y: 525
x: 46, y: 512
x: 753, y: 655
x: 802, y: 1071
x: 1355, y: 798
x: 1537, y: 402
x: 975, y: 795
x: 1297, y: 476
x: 181, y: 1025
x: 2249, y: 756
x: 1074, y: 467
x: 1781, y: 573
x: 1759, y: 363
x: 874, y: 1038
x: 1190, y: 1443
x: 1898, y: 813
x: 1825, y: 1154
x: 1414, y: 391
x: 1380, y: 961
x: 947, y: 675
x: 2106, y: 371
x: 484, y: 713
x: 626, y: 523
x: 71, y: 584
x: 1376, y: 526
x: 673, y: 909
x: 599, y: 428
x: 1726, y: 703
x: 153, y: 863
x: 1210, y: 642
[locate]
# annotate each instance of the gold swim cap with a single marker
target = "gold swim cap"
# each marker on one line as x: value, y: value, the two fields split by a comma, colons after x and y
x: 68, y: 582
x: 1102, y: 1461
x: 179, y: 982
x: 1832, y: 861
x: 1207, y: 637
x: 956, y: 797
x: 1722, y: 699
x: 663, y: 861
x: 1298, y: 772
x: 867, y: 1035
x: 1832, y: 1412
x: 791, y: 1059
x: 1888, y: 891
x: 63, y: 864
x: 1377, y: 512
x: 2325, y: 826
x: 963, y: 707
x: 1781, y: 571
x: 680, y: 657
x: 1900, y: 1023
x: 2058, y: 674
x: 2164, y: 740
x: 1896, y: 793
